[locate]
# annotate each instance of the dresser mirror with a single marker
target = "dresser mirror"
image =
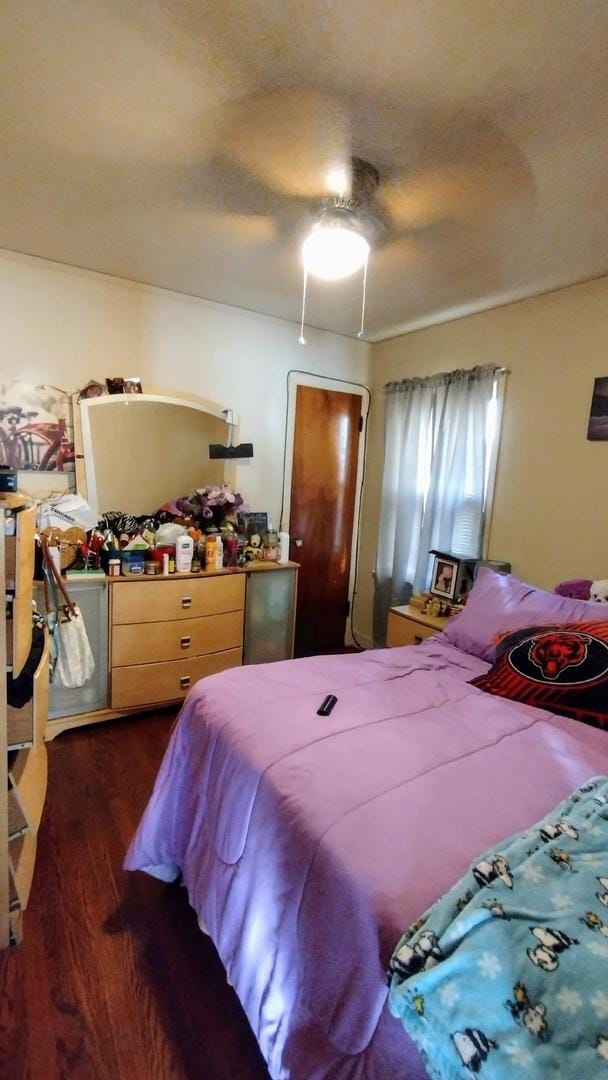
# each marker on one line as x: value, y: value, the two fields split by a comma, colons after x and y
x: 140, y: 450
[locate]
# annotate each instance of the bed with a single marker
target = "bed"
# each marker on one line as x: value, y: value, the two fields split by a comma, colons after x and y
x: 308, y: 844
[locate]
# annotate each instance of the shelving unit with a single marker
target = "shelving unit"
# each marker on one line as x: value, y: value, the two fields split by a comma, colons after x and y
x: 23, y: 760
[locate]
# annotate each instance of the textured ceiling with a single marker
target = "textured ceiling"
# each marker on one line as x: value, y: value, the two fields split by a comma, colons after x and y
x: 186, y: 144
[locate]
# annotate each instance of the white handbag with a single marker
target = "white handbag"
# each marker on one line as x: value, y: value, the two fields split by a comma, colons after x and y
x: 74, y: 662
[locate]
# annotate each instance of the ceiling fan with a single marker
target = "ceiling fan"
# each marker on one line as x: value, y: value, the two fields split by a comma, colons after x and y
x: 343, y: 177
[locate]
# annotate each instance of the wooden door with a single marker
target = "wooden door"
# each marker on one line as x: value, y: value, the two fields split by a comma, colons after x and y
x: 323, y: 493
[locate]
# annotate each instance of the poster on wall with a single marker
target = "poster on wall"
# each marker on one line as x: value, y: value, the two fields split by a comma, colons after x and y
x: 36, y: 431
x: 598, y: 416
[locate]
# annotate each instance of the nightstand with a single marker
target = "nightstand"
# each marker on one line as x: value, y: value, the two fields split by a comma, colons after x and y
x: 408, y: 626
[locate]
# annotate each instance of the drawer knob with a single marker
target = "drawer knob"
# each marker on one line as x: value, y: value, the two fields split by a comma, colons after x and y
x: 186, y: 601
x: 185, y: 642
x: 184, y: 682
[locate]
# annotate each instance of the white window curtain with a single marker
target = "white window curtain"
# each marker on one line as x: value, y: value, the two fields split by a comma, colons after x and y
x: 441, y: 436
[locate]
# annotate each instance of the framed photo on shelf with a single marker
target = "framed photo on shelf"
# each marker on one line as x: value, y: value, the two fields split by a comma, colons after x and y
x: 444, y: 577
x: 255, y: 522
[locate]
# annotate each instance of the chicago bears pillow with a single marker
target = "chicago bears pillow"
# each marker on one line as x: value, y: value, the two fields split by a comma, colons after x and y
x: 563, y: 669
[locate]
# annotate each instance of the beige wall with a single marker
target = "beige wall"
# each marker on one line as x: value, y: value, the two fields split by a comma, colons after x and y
x: 550, y: 515
x: 64, y: 326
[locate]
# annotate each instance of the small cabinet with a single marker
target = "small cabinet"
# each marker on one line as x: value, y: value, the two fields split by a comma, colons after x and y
x: 408, y: 626
x: 270, y: 614
x: 92, y: 599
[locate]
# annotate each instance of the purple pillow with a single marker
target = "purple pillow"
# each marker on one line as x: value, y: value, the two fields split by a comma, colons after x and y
x: 499, y: 602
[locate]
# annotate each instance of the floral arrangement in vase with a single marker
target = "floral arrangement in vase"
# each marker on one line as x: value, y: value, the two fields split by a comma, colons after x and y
x: 210, y: 505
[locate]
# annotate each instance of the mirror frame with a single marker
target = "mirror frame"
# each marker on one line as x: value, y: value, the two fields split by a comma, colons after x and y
x: 85, y: 474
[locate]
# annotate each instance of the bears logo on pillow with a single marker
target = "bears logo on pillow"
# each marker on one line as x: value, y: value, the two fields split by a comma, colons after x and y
x: 563, y: 669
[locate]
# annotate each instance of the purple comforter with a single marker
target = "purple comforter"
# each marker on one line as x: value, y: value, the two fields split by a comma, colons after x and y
x: 309, y: 844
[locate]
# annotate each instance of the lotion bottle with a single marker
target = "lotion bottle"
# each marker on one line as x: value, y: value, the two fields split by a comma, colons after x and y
x: 283, y: 547
x: 219, y: 553
x: 184, y: 550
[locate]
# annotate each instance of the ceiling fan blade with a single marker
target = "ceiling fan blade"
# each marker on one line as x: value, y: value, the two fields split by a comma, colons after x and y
x: 483, y: 173
x: 290, y: 140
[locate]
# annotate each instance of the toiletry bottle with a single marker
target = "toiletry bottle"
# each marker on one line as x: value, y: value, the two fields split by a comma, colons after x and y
x: 219, y: 553
x: 184, y: 548
x: 283, y: 547
x: 210, y: 552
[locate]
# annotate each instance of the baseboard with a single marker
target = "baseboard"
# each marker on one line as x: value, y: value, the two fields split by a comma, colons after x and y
x: 355, y: 637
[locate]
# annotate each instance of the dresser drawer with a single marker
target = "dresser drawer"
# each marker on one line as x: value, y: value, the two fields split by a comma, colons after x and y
x: 150, y: 684
x: 177, y: 639
x: 159, y: 601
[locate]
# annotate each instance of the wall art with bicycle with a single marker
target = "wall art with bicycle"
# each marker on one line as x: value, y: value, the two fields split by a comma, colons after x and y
x: 36, y: 429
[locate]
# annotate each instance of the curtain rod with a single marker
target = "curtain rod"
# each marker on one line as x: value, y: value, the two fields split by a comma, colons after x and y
x: 446, y: 375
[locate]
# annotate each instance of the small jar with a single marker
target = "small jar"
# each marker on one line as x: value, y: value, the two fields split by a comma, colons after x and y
x: 114, y: 568
x: 150, y: 567
x: 270, y: 551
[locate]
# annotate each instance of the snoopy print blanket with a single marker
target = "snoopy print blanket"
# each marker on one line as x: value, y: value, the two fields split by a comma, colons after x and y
x: 507, y: 974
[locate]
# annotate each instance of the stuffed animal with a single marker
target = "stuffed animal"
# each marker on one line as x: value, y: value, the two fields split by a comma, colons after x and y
x: 599, y: 591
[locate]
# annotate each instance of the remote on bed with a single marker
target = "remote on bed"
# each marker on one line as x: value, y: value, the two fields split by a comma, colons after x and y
x: 327, y: 705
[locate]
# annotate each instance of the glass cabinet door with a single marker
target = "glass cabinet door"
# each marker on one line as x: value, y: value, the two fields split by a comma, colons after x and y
x: 92, y: 599
x: 269, y: 615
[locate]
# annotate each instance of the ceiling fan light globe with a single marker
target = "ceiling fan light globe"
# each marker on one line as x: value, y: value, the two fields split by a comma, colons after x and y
x: 331, y: 252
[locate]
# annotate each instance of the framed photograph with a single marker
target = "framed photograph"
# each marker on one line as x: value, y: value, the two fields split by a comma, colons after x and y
x: 132, y: 386
x: 92, y: 389
x: 36, y: 428
x: 255, y: 522
x: 598, y: 416
x: 444, y: 577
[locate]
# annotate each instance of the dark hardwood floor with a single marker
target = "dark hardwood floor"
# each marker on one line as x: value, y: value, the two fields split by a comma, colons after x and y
x: 113, y: 979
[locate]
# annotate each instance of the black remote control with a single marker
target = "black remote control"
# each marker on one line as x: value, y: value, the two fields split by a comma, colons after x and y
x: 327, y: 705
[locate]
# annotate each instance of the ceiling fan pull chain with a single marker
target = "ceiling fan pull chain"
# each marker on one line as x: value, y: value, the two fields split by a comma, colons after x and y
x: 361, y: 331
x: 301, y: 338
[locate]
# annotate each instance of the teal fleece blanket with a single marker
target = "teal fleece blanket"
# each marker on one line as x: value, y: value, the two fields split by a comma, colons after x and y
x: 507, y: 974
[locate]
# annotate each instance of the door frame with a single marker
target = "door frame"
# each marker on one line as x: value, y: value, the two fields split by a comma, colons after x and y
x: 321, y: 382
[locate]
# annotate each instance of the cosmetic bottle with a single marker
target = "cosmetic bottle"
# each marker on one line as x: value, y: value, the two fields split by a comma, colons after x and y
x: 184, y: 549
x: 210, y: 551
x: 283, y: 547
x: 219, y: 554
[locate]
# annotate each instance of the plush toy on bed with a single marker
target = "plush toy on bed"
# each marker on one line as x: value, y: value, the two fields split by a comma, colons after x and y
x: 599, y: 591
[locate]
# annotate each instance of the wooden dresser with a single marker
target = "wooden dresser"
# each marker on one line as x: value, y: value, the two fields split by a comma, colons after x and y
x: 23, y: 762
x: 159, y: 635
x: 167, y: 634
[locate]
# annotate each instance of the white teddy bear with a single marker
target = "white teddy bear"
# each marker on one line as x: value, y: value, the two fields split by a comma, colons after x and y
x: 599, y: 591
